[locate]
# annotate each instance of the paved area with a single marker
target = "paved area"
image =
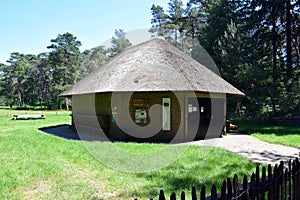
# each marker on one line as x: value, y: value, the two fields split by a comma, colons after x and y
x: 253, y: 149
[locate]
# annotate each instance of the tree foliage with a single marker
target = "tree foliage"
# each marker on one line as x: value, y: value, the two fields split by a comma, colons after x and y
x: 65, y: 60
x: 119, y: 42
x: 255, y: 44
x: 30, y: 80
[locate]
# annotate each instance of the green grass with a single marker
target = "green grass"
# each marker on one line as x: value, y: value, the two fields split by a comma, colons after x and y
x: 285, y: 135
x: 36, y: 165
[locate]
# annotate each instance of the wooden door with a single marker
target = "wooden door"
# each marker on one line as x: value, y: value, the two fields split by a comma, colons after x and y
x: 199, y: 115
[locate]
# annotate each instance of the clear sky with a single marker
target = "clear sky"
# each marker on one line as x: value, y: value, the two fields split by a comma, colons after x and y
x: 27, y: 26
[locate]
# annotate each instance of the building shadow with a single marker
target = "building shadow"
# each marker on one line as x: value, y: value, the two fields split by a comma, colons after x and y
x: 63, y: 131
x: 268, y: 156
x: 67, y: 132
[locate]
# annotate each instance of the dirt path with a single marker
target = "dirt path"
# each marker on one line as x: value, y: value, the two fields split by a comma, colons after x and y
x: 253, y: 148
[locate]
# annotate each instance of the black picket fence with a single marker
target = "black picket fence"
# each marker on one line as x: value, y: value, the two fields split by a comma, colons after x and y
x: 274, y: 183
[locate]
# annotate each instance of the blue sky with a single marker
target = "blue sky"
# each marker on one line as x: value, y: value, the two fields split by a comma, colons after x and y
x: 28, y: 25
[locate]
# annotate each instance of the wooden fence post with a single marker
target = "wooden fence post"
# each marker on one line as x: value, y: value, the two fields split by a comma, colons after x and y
x: 270, y: 182
x: 203, y: 193
x: 229, y: 189
x: 297, y: 177
x: 162, y: 195
x: 173, y: 196
x: 245, y: 188
x: 214, y: 194
x: 236, y: 186
x: 257, y: 182
x: 280, y: 180
x: 275, y: 183
x: 182, y: 195
x: 252, y: 187
x: 285, y: 179
x: 223, y: 190
x: 294, y: 188
x: 290, y: 179
x: 263, y: 183
x: 194, y: 194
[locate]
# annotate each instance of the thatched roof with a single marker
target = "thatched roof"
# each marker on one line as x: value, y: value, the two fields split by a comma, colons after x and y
x: 155, y: 65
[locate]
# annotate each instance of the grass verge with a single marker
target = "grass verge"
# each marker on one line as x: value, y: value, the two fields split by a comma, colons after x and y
x: 36, y: 165
x: 285, y: 135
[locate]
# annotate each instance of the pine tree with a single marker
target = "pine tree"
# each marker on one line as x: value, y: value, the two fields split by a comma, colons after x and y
x: 65, y: 60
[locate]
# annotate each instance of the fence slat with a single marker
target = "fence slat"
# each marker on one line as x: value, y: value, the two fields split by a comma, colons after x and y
x: 298, y: 178
x: 173, y: 196
x: 275, y: 182
x: 257, y: 182
x: 223, y: 190
x: 263, y: 183
x: 280, y: 181
x: 294, y: 188
x: 203, y: 193
x: 270, y: 181
x: 214, y: 194
x: 245, y: 188
x: 285, y: 180
x: 290, y: 179
x: 182, y: 196
x: 194, y: 193
x: 229, y: 189
x: 162, y: 195
x: 236, y: 186
x: 252, y: 187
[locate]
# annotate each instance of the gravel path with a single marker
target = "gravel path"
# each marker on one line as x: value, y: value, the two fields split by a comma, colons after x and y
x: 253, y: 148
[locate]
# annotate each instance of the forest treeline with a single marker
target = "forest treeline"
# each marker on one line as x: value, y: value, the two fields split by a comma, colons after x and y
x: 254, y: 43
x: 37, y: 80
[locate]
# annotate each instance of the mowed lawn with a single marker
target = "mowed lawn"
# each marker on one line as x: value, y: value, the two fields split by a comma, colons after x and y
x: 36, y: 165
x: 285, y: 135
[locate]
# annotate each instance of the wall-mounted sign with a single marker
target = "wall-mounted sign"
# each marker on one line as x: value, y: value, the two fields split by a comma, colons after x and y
x: 166, y: 114
x: 140, y: 116
x: 140, y: 102
x: 192, y: 108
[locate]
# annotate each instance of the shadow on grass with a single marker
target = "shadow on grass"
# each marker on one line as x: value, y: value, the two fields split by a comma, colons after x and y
x: 268, y: 128
x: 269, y: 156
x: 4, y: 108
x: 63, y: 131
x: 178, y: 178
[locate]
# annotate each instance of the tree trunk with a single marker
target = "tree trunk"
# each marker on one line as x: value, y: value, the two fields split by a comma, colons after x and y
x: 67, y: 104
x: 289, y: 72
x: 20, y: 98
x: 238, y: 109
x: 41, y: 102
x: 274, y: 47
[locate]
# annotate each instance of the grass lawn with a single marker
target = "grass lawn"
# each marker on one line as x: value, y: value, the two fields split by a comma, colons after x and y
x: 36, y: 165
x: 285, y: 135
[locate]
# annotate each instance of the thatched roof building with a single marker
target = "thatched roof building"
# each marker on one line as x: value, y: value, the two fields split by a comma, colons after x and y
x: 155, y: 65
x: 154, y: 71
